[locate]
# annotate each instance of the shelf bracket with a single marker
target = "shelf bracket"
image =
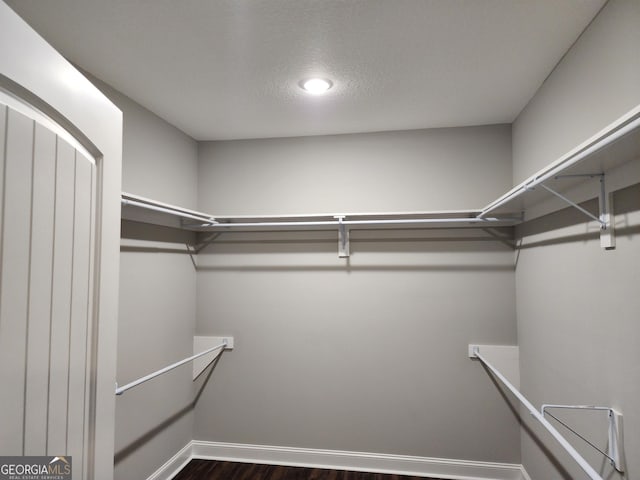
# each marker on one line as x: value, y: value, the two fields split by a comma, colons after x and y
x: 201, y: 343
x: 615, y: 452
x: 200, y: 246
x: 607, y: 237
x: 343, y: 237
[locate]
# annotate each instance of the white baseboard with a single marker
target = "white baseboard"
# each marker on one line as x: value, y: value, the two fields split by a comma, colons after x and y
x: 357, y: 461
x: 176, y: 463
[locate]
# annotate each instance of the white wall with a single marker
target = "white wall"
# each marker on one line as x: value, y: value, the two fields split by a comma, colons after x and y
x: 157, y: 296
x: 369, y: 353
x: 577, y: 304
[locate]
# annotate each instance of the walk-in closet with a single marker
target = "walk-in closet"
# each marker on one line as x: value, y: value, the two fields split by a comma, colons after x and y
x: 320, y: 239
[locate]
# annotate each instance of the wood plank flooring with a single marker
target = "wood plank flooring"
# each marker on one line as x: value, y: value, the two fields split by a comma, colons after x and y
x: 214, y: 470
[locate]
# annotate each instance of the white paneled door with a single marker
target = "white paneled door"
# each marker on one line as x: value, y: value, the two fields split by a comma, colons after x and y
x: 47, y: 249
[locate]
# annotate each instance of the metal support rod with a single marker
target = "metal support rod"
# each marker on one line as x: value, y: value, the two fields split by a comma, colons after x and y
x: 170, y: 211
x: 578, y: 175
x: 336, y: 223
x: 597, y: 145
x: 573, y: 407
x: 135, y: 383
x: 575, y: 205
x: 588, y: 469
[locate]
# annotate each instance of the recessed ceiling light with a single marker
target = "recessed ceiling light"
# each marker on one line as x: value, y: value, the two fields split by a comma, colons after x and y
x: 316, y: 86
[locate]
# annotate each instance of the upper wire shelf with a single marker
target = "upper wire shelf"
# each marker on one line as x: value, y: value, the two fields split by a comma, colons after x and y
x: 614, y: 148
x: 143, y: 210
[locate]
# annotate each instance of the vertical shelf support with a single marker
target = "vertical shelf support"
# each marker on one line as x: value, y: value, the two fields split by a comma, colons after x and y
x: 343, y: 237
x: 607, y: 236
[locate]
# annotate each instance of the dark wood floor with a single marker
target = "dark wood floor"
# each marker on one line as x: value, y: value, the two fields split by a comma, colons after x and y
x: 214, y: 470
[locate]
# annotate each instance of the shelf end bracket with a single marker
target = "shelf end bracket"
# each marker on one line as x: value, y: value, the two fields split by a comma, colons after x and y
x: 615, y: 451
x: 607, y: 237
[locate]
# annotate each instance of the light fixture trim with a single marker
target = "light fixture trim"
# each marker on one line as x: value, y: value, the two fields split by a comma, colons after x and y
x: 316, y: 85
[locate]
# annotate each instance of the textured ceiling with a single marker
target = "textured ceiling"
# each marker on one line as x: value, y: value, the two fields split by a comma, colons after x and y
x: 227, y: 69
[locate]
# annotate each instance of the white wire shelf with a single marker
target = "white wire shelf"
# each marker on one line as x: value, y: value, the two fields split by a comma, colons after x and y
x: 614, y: 149
x: 143, y: 210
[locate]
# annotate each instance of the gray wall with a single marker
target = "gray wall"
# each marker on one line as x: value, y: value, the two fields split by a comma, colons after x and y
x: 578, y: 308
x: 376, y: 172
x: 597, y: 81
x: 577, y: 305
x: 157, y: 296
x: 369, y: 353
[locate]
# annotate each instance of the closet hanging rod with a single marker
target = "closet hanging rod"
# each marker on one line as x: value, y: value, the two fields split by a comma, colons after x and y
x: 588, y: 469
x: 135, y: 383
x: 361, y: 223
x: 603, y: 141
